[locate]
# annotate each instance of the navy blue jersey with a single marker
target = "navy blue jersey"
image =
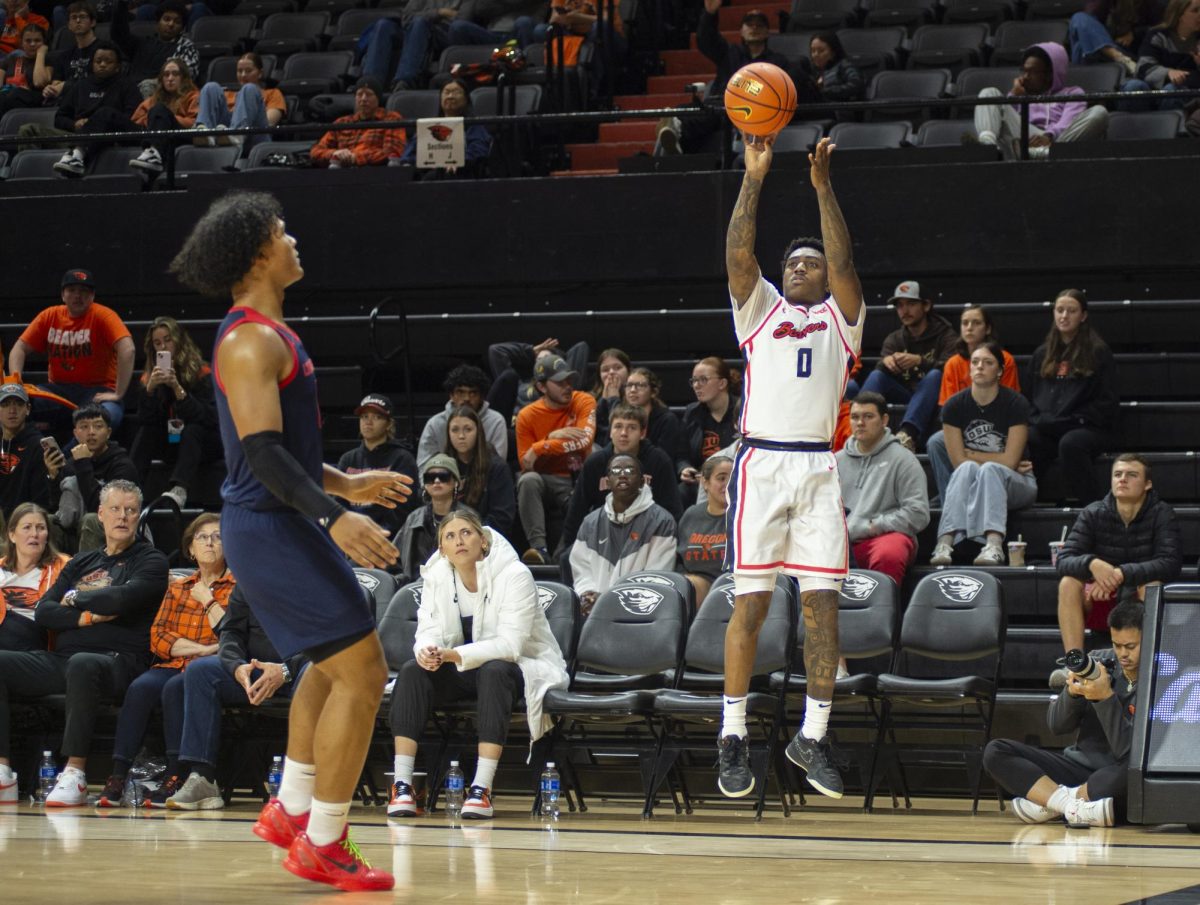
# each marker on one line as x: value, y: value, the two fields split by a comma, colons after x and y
x: 301, y: 419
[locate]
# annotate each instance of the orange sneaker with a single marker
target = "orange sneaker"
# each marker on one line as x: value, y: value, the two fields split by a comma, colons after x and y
x: 340, y: 864
x: 277, y: 826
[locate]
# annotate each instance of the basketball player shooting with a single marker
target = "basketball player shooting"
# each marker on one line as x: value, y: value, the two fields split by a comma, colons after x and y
x: 785, y: 513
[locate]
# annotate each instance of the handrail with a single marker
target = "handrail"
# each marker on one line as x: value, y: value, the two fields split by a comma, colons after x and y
x: 403, y: 350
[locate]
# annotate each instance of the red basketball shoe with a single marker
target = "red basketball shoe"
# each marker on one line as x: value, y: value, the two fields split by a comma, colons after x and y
x: 340, y: 864
x: 277, y: 826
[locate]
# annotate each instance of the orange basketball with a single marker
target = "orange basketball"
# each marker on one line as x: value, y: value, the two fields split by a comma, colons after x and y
x: 760, y: 99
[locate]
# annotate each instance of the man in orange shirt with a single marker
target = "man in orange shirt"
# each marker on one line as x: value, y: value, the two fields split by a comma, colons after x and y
x: 361, y: 147
x: 554, y: 436
x: 89, y: 349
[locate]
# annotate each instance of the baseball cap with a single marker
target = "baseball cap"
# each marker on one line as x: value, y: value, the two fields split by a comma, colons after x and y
x: 376, y: 402
x: 909, y: 289
x: 77, y: 276
x: 756, y: 15
x: 441, y: 460
x: 553, y: 367
x: 9, y: 390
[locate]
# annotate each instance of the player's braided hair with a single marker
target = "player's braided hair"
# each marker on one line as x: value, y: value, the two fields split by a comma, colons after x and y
x: 227, y: 241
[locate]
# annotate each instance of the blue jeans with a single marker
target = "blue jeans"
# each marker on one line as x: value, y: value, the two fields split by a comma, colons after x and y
x: 939, y: 464
x: 80, y: 395
x: 389, y: 37
x: 921, y: 402
x: 1140, y: 105
x: 528, y: 32
x: 249, y: 110
x: 1088, y: 37
x: 979, y: 498
x: 143, y: 695
x: 464, y: 32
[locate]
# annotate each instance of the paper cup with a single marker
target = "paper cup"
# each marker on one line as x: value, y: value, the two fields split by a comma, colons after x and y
x: 1055, y: 548
x: 1016, y: 552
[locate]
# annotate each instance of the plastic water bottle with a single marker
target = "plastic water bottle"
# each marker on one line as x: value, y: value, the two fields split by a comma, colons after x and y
x: 550, y: 790
x: 455, y: 783
x: 47, y: 776
x: 275, y: 776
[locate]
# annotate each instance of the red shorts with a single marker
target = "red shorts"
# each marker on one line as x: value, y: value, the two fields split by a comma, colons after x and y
x: 1097, y: 616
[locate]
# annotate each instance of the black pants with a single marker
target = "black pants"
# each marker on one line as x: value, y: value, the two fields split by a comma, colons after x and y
x: 1017, y: 766
x: 497, y: 686
x: 87, y: 679
x: 197, y: 446
x: 1076, y: 449
x: 106, y: 119
x: 19, y: 99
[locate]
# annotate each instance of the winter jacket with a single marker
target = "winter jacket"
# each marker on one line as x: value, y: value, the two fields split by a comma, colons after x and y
x: 1147, y: 549
x: 1163, y: 51
x: 1105, y: 727
x: 1054, y: 118
x: 93, y: 472
x: 935, y: 346
x: 612, y: 545
x: 389, y: 455
x: 841, y: 82
x: 508, y: 624
x: 1076, y: 400
x: 884, y: 490
x: 23, y: 477
x: 728, y: 57
x: 84, y: 97
x: 433, y: 437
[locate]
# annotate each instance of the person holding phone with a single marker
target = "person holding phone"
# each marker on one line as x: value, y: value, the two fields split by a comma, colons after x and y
x: 176, y: 409
x: 23, y: 478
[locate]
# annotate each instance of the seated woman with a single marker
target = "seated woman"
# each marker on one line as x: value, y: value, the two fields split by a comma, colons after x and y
x: 710, y: 423
x: 1072, y: 385
x: 253, y: 105
x: 441, y: 483
x: 177, y: 410
x: 28, y: 568
x: 702, y: 531
x: 481, y: 634
x: 1170, y: 56
x: 185, y: 628
x: 663, y: 427
x: 487, y: 484
x: 172, y: 106
x: 455, y: 101
x: 612, y: 370
x: 986, y: 428
x: 835, y: 77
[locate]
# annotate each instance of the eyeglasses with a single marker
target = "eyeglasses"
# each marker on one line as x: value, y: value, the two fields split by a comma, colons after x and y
x: 439, y: 477
x: 637, y: 385
x: 214, y: 539
x: 622, y: 470
x: 699, y: 381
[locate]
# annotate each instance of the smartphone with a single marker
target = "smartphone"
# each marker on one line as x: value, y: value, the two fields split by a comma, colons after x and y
x: 49, y: 443
x: 162, y: 360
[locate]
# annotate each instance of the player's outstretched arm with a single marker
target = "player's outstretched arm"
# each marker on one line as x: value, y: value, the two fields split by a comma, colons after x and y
x: 740, y: 263
x: 843, y: 279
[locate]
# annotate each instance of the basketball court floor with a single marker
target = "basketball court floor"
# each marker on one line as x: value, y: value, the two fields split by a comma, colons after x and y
x: 824, y: 853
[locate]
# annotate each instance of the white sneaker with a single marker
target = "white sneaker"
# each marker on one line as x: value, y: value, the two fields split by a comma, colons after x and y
x: 197, y: 794
x: 943, y: 555
x: 149, y: 161
x: 1081, y: 814
x: 667, y: 136
x: 1029, y: 812
x: 70, y: 164
x: 178, y: 493
x: 70, y: 791
x: 990, y: 555
x: 8, y: 785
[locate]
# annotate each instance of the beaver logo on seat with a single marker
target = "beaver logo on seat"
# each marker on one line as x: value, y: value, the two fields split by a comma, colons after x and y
x: 367, y: 580
x: 650, y: 579
x: 958, y: 587
x: 639, y: 601
x: 858, y: 587
x: 545, y: 598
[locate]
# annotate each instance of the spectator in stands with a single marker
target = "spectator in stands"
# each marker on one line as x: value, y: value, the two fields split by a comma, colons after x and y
x: 455, y: 100
x: 986, y: 429
x: 911, y: 362
x: 1043, y: 71
x: 663, y: 427
x: 29, y: 567
x: 93, y: 462
x: 1170, y: 55
x: 252, y: 106
x: 100, y: 609
x: 89, y: 348
x: 147, y: 54
x: 627, y: 437
x: 631, y: 533
x: 398, y: 49
x: 184, y: 629
x: 23, y: 477
x: 75, y: 62
x: 12, y: 26
x: 975, y: 327
x: 465, y: 385
x: 883, y: 490
x: 24, y: 74
x: 481, y: 635
x: 1072, y: 384
x: 835, y: 77
x: 246, y: 670
x: 487, y: 483
x: 441, y: 484
x: 612, y: 370
x: 702, y: 532
x: 579, y: 24
x: 711, y: 422
x: 675, y: 136
x: 1104, y: 30
x: 554, y: 437
x: 1117, y: 546
x: 1087, y: 783
x: 361, y: 147
x: 380, y: 451
x: 512, y: 365
x: 173, y: 105
x: 177, y: 409
x: 495, y: 22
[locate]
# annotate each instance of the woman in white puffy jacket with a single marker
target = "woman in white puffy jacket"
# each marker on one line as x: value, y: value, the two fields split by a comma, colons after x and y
x: 481, y: 634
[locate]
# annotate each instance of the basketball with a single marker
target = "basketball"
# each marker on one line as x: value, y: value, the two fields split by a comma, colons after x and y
x: 760, y: 99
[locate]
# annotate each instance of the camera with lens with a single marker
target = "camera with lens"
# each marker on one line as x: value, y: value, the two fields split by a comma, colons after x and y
x: 1082, y: 666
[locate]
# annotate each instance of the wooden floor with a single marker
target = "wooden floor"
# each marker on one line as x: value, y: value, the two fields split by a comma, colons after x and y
x: 825, y: 853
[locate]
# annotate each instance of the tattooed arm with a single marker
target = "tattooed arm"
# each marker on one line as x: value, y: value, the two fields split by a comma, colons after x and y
x: 740, y: 263
x: 843, y: 280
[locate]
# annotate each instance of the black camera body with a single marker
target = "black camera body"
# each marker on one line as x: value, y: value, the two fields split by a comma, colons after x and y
x: 1082, y: 666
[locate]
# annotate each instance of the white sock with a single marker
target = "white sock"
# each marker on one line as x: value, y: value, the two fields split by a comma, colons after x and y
x: 327, y: 821
x: 987, y: 137
x: 734, y: 722
x: 296, y: 787
x: 6, y: 772
x: 404, y: 765
x: 1060, y: 798
x: 74, y: 770
x: 485, y: 772
x: 816, y: 718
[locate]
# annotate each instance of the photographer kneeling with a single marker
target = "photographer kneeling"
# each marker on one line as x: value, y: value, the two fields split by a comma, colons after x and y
x: 1086, y: 783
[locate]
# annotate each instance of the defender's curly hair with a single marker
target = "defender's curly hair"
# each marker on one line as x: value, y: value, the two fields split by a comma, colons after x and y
x: 227, y: 241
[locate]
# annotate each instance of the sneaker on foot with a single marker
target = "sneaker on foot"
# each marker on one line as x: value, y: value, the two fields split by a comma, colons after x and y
x: 70, y: 791
x: 735, y: 779
x: 990, y: 555
x: 340, y: 864
x: 478, y: 804
x: 1029, y: 812
x: 816, y: 760
x: 666, y: 138
x: 943, y: 555
x: 8, y: 786
x: 404, y: 802
x: 907, y: 440
x: 1080, y: 813
x: 197, y: 794
x: 178, y: 493
x: 277, y: 826
x: 158, y: 798
x: 70, y: 165
x: 204, y: 141
x: 536, y: 556
x: 149, y: 161
x: 114, y: 791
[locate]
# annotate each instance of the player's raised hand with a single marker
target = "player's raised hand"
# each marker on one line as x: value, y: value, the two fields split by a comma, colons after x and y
x: 363, y: 541
x: 758, y: 154
x: 819, y: 163
x: 378, y: 488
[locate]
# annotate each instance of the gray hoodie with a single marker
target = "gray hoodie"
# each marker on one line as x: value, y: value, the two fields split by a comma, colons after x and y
x: 884, y: 491
x: 611, y: 545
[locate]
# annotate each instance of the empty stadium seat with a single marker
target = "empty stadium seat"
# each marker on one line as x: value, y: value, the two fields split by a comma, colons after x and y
x: 260, y: 9
x: 943, y: 133
x: 491, y: 101
x: 1095, y: 77
x: 800, y: 137
x: 822, y: 15
x: 415, y: 104
x: 465, y: 54
x: 910, y: 14
x: 352, y: 23
x: 794, y: 45
x: 863, y: 136
x: 380, y: 586
x: 972, y: 81
x: 872, y: 50
x: 34, y: 164
x: 1053, y: 9
x: 306, y: 74
x: 114, y: 160
x: 953, y: 47
x: 906, y: 85
x: 189, y: 159
x: 14, y: 119
x: 1153, y: 124
x: 264, y: 149
x: 1012, y: 38
x: 215, y: 36
x: 993, y: 12
x: 286, y: 33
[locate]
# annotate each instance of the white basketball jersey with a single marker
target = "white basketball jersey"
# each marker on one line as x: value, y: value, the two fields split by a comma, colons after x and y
x: 797, y: 363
